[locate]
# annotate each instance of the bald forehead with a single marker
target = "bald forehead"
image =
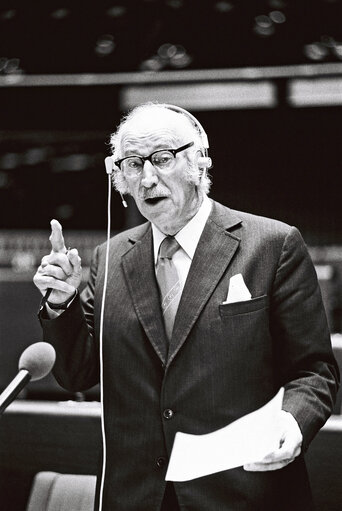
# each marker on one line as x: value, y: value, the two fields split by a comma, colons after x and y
x: 153, y: 123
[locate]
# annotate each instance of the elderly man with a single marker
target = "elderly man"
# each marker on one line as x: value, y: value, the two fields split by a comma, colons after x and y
x: 177, y: 354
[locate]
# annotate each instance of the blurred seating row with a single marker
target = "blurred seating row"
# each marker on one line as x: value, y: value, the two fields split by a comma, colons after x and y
x: 62, y: 492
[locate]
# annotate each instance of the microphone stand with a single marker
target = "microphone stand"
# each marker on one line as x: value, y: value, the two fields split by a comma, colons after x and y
x: 13, y: 389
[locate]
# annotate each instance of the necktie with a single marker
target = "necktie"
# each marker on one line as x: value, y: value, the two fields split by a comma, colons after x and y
x: 168, y: 281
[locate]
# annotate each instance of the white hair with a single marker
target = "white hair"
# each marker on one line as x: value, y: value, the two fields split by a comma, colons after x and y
x: 185, y: 131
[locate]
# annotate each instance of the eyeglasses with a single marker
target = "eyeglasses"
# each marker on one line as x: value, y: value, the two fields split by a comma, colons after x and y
x: 163, y: 159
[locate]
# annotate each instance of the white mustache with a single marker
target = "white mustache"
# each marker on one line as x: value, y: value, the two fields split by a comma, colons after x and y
x: 153, y: 193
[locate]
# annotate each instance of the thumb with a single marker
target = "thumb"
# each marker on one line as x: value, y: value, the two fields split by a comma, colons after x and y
x: 56, y: 238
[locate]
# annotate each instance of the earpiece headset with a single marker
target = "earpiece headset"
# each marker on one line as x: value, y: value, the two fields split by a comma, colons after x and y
x: 204, y: 163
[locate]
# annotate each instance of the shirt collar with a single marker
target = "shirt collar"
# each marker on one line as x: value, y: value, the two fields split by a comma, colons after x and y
x: 188, y: 237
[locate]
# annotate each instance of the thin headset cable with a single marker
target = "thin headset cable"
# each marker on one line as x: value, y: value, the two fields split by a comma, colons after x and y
x: 104, y: 292
x: 203, y: 135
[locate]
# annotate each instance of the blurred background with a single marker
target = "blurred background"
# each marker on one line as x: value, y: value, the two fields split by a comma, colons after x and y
x: 264, y: 77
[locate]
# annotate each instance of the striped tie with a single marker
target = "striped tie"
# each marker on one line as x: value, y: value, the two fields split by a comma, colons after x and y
x: 168, y: 281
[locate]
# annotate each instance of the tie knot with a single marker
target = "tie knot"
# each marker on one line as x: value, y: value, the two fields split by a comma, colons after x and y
x: 168, y: 247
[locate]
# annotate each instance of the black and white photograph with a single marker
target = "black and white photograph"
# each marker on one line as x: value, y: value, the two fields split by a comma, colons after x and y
x: 170, y: 255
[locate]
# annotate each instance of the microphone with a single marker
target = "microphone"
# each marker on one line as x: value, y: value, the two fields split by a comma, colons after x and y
x: 109, y: 171
x: 109, y: 164
x: 35, y: 363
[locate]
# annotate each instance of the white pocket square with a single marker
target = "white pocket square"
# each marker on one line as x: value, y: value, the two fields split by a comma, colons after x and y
x: 237, y: 290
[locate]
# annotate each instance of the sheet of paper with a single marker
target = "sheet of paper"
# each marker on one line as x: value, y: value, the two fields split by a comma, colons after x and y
x: 246, y: 440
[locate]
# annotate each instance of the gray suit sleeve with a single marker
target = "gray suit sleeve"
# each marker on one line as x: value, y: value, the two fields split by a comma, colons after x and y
x: 304, y: 360
x: 72, y: 335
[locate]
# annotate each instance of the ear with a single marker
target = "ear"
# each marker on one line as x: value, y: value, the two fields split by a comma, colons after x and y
x: 203, y: 162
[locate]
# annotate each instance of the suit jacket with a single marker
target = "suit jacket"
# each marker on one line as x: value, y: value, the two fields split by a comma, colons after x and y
x: 224, y: 360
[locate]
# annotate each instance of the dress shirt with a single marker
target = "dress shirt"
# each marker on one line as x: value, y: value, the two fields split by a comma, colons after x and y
x: 188, y: 238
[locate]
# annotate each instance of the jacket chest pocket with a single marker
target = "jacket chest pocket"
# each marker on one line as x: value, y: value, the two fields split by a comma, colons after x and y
x: 244, y: 326
x: 229, y: 310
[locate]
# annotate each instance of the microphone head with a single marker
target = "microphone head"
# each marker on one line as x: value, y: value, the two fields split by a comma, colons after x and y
x: 109, y: 164
x: 38, y: 359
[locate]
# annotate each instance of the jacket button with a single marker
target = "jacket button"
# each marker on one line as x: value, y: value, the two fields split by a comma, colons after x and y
x: 161, y: 461
x: 168, y: 414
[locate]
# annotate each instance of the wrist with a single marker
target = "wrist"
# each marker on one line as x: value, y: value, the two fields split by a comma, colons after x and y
x: 63, y: 305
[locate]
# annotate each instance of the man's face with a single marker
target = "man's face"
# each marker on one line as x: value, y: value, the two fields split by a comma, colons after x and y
x: 164, y: 197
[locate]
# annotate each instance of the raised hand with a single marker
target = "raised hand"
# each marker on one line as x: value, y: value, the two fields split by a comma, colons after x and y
x: 61, y: 270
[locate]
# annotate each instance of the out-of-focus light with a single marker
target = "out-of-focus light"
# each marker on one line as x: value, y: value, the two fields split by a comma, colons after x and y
x: 10, y: 66
x: 316, y: 51
x: 277, y: 4
x: 324, y: 271
x: 154, y: 63
x: 337, y: 50
x: 277, y: 17
x: 9, y: 161
x: 23, y: 261
x: 64, y: 211
x: 263, y: 21
x: 223, y: 7
x: 71, y: 163
x: 205, y: 96
x: 3, y: 63
x: 60, y: 13
x: 168, y: 54
x: 9, y: 14
x: 328, y: 41
x: 263, y: 26
x: 181, y: 58
x: 105, y: 45
x: 4, y: 180
x: 13, y: 66
x: 167, y: 50
x: 315, y: 92
x: 116, y: 11
x: 35, y: 155
x: 174, y: 4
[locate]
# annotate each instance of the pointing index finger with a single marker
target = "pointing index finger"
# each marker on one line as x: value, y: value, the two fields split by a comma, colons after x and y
x: 56, y: 238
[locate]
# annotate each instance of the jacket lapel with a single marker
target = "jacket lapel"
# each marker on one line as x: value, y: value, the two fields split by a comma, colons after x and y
x: 214, y: 252
x: 138, y: 266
